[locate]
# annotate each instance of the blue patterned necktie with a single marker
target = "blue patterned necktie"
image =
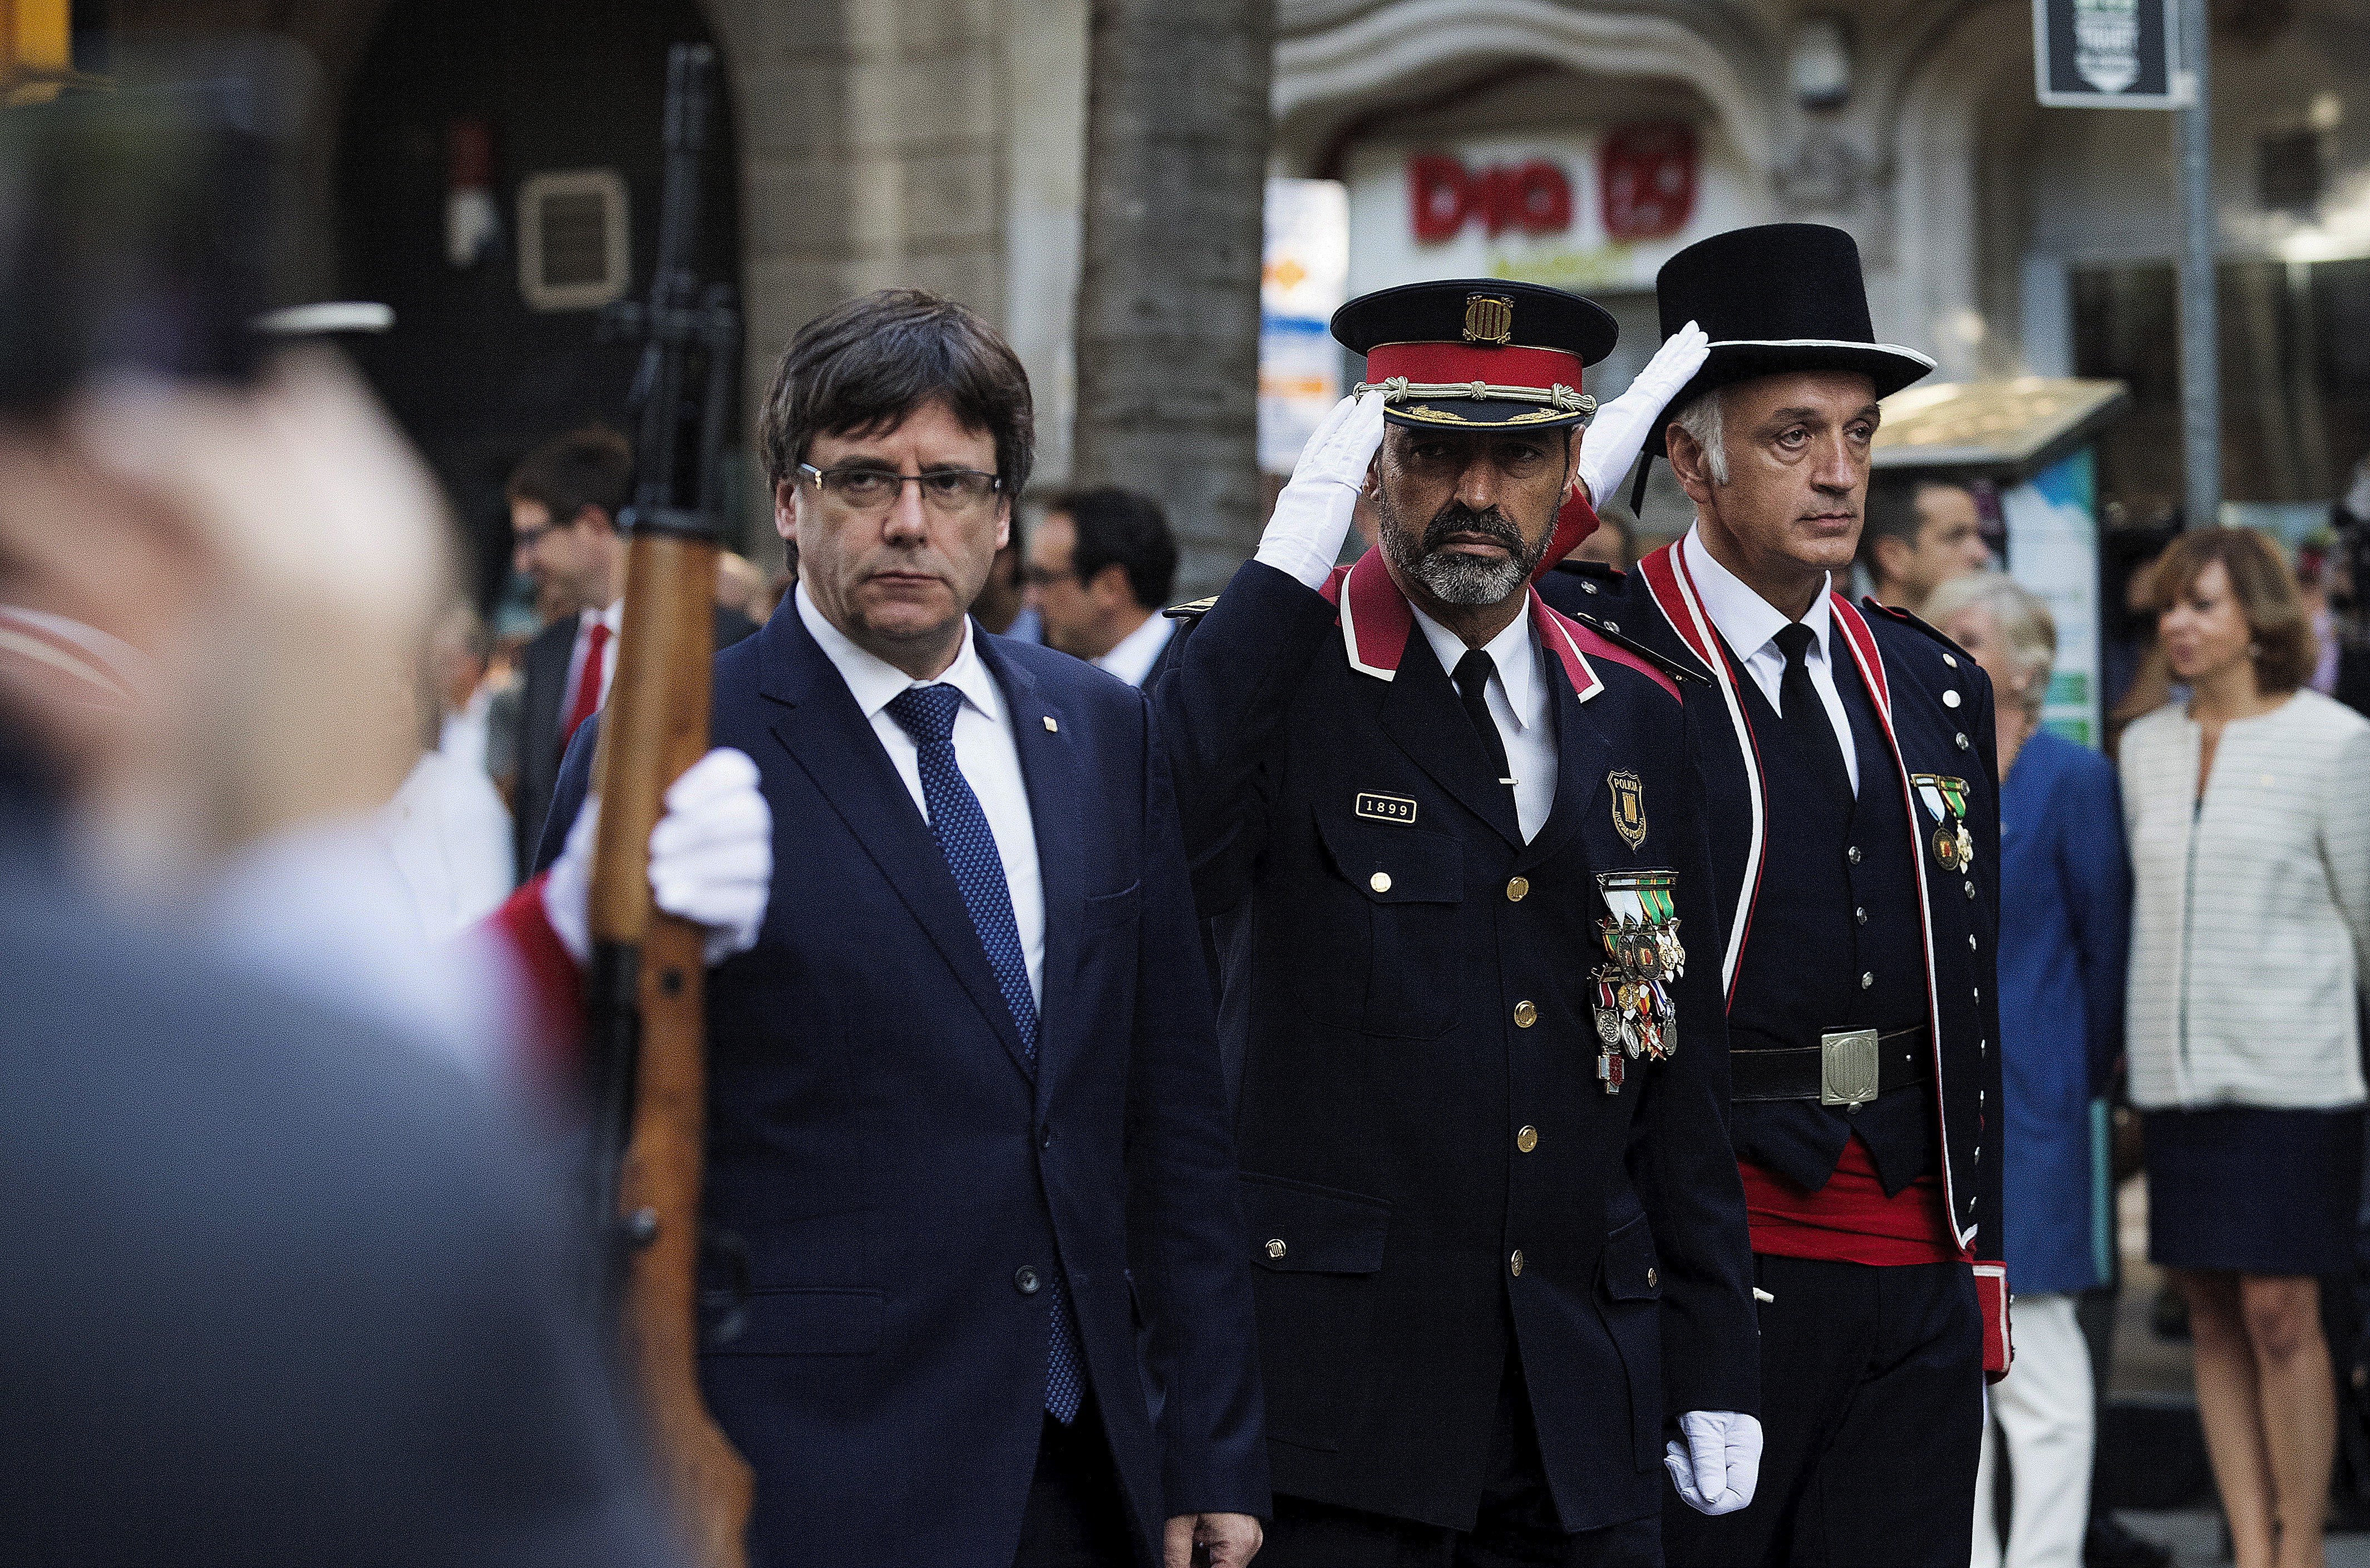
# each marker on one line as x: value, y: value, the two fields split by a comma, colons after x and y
x: 927, y: 714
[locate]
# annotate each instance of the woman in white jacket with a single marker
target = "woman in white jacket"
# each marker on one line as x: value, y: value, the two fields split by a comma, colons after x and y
x: 2248, y: 808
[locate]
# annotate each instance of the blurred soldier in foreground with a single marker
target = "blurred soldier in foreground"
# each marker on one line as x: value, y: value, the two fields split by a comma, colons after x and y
x: 1448, y: 839
x: 281, y: 1288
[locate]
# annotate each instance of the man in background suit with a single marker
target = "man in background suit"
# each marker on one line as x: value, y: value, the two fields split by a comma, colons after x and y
x: 564, y: 499
x: 1099, y: 569
x: 966, y: 1112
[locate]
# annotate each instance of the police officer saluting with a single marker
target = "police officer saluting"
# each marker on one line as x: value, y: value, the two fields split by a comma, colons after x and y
x: 1453, y: 853
x: 1848, y: 777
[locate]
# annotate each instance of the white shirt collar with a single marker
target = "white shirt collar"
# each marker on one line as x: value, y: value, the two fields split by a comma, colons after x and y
x: 1512, y: 651
x: 875, y: 682
x: 612, y: 618
x: 1748, y: 620
x: 1132, y: 657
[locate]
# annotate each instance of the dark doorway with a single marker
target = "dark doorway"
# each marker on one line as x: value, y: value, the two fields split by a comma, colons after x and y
x: 463, y: 93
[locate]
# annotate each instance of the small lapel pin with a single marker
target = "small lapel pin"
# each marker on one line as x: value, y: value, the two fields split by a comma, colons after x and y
x: 1052, y: 727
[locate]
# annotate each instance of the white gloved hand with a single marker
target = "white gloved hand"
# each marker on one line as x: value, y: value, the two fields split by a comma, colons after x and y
x: 1618, y: 432
x: 1312, y: 516
x: 1716, y: 1468
x: 712, y: 859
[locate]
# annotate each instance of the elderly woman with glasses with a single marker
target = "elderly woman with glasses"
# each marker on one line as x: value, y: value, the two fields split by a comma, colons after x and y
x: 2065, y: 889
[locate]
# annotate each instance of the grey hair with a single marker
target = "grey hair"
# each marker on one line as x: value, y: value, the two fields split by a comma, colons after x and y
x: 2026, y: 626
x: 1700, y: 419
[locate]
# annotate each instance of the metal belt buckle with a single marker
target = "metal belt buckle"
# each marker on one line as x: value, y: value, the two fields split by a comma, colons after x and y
x: 1848, y: 1067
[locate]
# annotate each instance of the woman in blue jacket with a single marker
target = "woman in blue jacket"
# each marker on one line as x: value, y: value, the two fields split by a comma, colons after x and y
x: 2066, y: 892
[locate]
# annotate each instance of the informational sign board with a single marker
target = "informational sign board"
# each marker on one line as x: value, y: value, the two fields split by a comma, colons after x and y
x: 2052, y: 551
x: 1587, y: 210
x: 2107, y: 55
x: 1302, y: 281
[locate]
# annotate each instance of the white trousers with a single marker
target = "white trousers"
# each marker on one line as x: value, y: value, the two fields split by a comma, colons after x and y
x: 2044, y: 1408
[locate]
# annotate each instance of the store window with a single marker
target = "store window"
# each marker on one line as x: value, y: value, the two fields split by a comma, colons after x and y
x: 2295, y: 374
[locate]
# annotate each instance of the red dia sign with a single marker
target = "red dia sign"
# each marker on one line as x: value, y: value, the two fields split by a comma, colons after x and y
x: 1442, y: 197
x: 1647, y: 174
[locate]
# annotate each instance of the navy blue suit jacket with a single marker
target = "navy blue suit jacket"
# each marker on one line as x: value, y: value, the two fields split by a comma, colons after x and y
x: 891, y: 1162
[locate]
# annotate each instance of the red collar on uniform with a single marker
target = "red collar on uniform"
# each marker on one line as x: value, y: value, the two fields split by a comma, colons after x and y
x: 1375, y: 619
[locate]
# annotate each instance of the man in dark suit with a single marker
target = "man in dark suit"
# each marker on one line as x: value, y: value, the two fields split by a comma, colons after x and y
x: 967, y: 1121
x: 1847, y: 762
x: 1100, y: 566
x: 1447, y: 840
x: 564, y: 499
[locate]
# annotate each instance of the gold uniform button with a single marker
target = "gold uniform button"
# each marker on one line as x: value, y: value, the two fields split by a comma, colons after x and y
x: 1527, y: 1139
x: 1525, y: 1015
x: 1380, y: 881
x: 1518, y: 889
x: 1275, y: 1248
x: 1515, y: 1262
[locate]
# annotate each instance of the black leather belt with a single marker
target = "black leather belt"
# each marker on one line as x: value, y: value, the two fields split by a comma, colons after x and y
x: 1848, y: 1067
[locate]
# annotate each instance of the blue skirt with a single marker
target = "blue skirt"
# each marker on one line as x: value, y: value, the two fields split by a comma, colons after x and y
x: 2262, y: 1192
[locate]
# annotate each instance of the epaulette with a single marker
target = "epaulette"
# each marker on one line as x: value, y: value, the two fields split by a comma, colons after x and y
x: 1894, y: 612
x: 1662, y: 662
x: 1193, y: 611
x: 1602, y: 571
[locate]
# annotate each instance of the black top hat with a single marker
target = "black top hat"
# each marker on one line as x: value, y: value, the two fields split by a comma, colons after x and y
x: 1477, y: 354
x: 1776, y: 298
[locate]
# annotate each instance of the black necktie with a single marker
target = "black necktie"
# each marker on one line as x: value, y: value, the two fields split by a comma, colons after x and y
x: 1804, y: 716
x: 1472, y: 678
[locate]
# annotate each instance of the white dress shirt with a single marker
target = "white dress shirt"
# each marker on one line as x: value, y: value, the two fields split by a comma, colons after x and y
x: 1750, y: 625
x: 450, y: 835
x: 1131, y: 658
x: 1518, y: 700
x: 984, y: 751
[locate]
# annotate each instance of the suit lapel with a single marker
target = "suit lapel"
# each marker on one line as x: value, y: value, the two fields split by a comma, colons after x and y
x: 1049, y: 767
x: 547, y: 676
x: 1582, y: 759
x: 828, y: 736
x: 1422, y: 713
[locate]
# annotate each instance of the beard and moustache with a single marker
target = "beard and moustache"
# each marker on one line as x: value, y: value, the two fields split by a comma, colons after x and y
x: 1455, y: 578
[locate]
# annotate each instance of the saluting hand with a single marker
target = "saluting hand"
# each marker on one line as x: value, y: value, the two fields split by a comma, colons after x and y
x: 1717, y: 1468
x: 1312, y: 516
x: 1221, y: 1540
x: 1618, y: 432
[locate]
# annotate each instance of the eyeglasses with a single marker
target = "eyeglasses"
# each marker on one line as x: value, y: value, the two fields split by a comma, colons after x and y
x: 950, y: 492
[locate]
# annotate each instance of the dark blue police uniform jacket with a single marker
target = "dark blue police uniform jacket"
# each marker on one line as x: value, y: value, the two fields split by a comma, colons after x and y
x: 1934, y: 712
x: 902, y: 1178
x: 1434, y: 1177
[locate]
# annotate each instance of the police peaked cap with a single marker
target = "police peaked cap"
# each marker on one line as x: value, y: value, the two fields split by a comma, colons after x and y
x: 1477, y: 354
x: 1776, y: 298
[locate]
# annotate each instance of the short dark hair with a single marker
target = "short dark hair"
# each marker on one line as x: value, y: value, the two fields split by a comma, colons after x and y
x: 865, y: 364
x: 2284, y: 648
x: 1892, y: 512
x: 592, y: 467
x: 1121, y: 527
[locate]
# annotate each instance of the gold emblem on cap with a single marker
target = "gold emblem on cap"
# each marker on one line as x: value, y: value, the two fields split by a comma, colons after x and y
x: 1489, y: 318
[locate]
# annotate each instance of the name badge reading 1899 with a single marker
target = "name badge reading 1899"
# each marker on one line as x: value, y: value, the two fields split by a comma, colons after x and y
x: 1387, y: 808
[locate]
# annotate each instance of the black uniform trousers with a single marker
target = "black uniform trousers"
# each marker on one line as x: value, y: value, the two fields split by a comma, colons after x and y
x: 1075, y: 1517
x: 1516, y: 1527
x: 1871, y: 1414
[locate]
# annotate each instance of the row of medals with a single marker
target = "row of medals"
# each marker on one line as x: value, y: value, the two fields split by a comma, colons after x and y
x: 1635, y: 1013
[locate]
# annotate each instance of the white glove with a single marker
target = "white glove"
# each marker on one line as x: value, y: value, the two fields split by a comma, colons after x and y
x: 712, y: 859
x: 1716, y: 1468
x: 1618, y: 432
x: 1312, y: 516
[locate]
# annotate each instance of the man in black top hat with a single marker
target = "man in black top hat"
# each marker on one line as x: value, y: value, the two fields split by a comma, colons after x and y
x: 1848, y: 780
x: 1449, y: 842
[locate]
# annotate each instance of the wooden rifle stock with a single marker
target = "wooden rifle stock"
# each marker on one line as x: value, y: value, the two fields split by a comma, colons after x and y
x: 650, y: 1046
